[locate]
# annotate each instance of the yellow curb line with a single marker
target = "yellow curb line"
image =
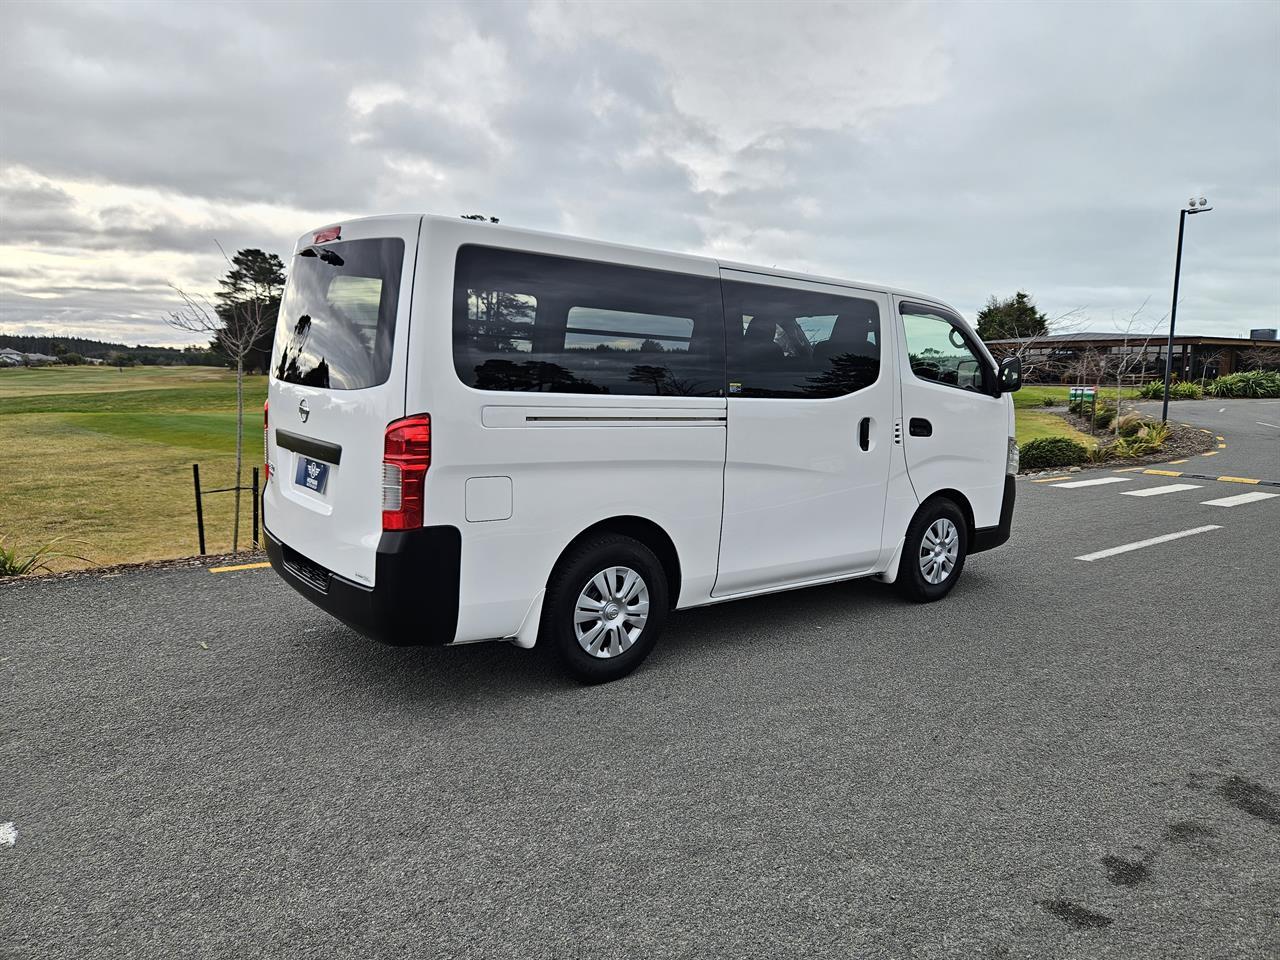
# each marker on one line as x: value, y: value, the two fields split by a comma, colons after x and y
x: 1163, y: 473
x: 240, y: 566
x: 1222, y: 446
x: 1050, y: 479
x: 1127, y: 470
x: 1177, y: 461
x: 1211, y: 453
x: 1222, y: 438
x: 1237, y: 480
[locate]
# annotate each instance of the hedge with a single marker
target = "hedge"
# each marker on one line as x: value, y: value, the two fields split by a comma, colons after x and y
x: 1048, y: 452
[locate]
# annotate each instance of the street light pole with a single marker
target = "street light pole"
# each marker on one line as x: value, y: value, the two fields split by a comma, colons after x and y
x: 1195, y: 206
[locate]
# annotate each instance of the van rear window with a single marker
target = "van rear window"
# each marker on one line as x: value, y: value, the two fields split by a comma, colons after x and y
x: 338, y: 315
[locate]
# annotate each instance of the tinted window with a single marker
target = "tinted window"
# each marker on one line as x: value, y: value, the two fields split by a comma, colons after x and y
x: 796, y: 343
x: 525, y: 321
x: 939, y: 349
x: 338, y: 315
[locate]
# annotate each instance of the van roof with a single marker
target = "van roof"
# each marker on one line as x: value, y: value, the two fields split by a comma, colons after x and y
x: 510, y: 231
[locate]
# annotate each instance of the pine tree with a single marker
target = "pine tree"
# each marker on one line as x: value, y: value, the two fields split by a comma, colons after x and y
x: 1016, y: 316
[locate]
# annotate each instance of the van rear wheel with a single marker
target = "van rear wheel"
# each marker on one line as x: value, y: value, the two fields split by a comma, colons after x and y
x: 605, y: 607
x: 933, y: 554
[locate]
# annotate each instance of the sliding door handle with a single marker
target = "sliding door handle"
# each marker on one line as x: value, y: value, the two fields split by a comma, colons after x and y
x: 920, y: 427
x: 864, y: 433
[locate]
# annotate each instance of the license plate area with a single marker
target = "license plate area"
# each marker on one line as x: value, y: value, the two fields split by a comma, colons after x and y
x: 311, y: 474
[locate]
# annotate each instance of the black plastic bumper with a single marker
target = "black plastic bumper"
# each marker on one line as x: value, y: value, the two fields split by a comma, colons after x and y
x: 414, y: 599
x: 988, y: 538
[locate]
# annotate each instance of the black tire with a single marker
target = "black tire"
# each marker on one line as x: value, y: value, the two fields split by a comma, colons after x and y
x: 574, y: 574
x: 911, y: 581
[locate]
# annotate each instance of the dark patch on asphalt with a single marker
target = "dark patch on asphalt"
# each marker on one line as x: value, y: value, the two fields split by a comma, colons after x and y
x: 1125, y: 873
x: 1188, y: 831
x: 1079, y: 917
x: 1252, y: 798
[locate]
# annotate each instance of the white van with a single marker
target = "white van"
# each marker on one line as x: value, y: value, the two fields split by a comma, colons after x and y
x: 475, y: 432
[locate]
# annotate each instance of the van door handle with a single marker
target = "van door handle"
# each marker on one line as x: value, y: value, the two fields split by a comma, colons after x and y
x: 920, y: 427
x: 864, y: 433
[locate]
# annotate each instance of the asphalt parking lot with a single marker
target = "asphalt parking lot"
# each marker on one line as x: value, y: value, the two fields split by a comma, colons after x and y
x: 1067, y: 758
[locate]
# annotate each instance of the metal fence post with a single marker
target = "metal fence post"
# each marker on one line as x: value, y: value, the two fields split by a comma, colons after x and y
x: 255, y: 508
x: 195, y: 476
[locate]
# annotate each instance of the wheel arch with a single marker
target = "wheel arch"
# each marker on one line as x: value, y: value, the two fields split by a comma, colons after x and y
x: 645, y: 531
x: 961, y: 501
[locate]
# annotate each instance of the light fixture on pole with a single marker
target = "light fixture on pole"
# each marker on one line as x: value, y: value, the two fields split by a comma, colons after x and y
x: 1194, y: 205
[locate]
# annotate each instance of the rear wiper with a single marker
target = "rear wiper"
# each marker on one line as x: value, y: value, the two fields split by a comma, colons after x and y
x: 328, y: 256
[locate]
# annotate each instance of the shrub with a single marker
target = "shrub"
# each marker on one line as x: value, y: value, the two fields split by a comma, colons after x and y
x: 1179, y: 390
x: 1148, y: 439
x: 1130, y: 424
x: 1102, y: 419
x: 1049, y: 402
x: 1102, y: 453
x: 1045, y: 453
x: 1251, y: 384
x: 12, y: 564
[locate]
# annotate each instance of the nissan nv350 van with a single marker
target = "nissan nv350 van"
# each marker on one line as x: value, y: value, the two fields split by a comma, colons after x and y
x: 475, y: 432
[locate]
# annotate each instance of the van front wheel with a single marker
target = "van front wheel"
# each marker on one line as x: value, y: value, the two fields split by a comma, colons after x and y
x: 934, y: 551
x: 605, y: 607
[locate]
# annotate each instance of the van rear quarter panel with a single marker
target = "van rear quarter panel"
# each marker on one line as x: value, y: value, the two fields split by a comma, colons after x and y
x: 566, y: 473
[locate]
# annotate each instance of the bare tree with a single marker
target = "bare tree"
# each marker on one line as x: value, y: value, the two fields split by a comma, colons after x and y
x: 1260, y: 358
x: 1208, y: 360
x: 1129, y: 359
x: 1033, y: 349
x: 1086, y: 367
x: 237, y: 326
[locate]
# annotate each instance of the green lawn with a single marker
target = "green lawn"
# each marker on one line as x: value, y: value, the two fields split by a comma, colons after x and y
x: 1034, y: 421
x: 104, y: 456
x: 1034, y: 395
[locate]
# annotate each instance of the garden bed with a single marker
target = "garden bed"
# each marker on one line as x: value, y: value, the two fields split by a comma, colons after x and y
x: 1182, y: 442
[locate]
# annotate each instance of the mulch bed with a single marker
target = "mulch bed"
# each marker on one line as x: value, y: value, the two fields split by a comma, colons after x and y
x: 1182, y: 442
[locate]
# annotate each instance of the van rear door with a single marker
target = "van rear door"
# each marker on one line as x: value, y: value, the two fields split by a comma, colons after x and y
x: 337, y: 379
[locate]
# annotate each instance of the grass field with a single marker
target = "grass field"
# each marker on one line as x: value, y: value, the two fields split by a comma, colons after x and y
x: 104, y: 456
x: 1035, y: 422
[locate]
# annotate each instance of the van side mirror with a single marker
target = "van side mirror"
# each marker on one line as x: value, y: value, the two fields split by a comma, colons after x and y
x: 1010, y: 378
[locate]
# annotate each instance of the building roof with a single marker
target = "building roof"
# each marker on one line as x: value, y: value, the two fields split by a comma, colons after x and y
x: 1112, y: 337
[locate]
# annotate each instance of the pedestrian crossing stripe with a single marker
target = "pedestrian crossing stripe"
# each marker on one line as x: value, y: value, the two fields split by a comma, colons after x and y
x: 1239, y: 499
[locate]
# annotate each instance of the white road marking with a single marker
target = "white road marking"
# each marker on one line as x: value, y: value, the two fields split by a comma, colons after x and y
x: 1239, y: 498
x: 1125, y: 548
x: 8, y: 834
x: 1097, y: 482
x: 1222, y: 409
x: 1263, y: 423
x: 1156, y: 491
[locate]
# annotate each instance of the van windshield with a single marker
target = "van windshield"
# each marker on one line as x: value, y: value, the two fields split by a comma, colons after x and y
x: 338, y: 315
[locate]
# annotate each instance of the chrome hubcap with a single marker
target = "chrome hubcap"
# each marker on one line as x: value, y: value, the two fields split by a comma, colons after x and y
x: 611, y: 612
x: 939, y: 550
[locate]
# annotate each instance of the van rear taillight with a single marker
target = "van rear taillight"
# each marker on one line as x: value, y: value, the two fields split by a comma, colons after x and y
x: 406, y: 455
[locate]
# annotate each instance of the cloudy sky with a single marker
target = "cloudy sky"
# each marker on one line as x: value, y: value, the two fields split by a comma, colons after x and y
x: 963, y: 149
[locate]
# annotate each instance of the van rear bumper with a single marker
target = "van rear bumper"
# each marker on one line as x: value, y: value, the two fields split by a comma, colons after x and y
x: 414, y: 599
x: 988, y: 538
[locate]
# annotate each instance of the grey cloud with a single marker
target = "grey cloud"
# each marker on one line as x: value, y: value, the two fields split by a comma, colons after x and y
x: 1046, y: 148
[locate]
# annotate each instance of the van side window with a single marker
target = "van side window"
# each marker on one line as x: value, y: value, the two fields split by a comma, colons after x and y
x: 798, y: 343
x: 531, y: 322
x: 939, y: 350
